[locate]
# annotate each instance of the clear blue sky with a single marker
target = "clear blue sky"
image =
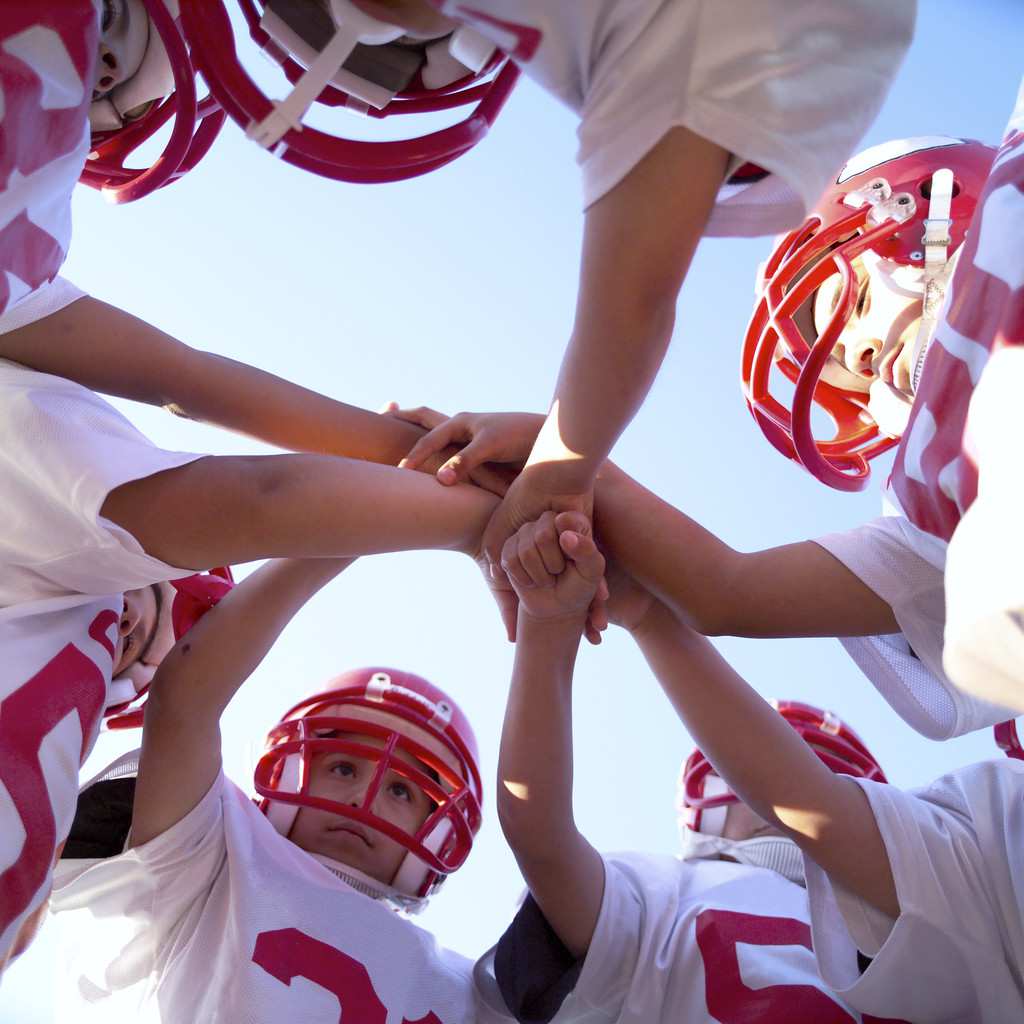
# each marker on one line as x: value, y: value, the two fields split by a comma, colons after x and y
x: 457, y: 291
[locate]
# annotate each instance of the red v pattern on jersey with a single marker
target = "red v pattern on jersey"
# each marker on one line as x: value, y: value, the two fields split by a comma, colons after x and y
x: 70, y: 683
x: 933, y: 479
x: 47, y: 54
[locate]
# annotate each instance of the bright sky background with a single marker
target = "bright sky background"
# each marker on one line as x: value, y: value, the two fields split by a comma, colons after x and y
x: 457, y: 290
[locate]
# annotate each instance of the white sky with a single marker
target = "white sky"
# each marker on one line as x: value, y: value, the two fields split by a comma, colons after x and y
x: 457, y: 291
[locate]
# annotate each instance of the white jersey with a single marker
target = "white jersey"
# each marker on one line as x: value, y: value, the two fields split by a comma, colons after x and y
x: 222, y: 920
x: 956, y: 952
x: 63, y: 570
x: 787, y: 87
x: 694, y: 941
x: 48, y: 54
x: 904, y: 566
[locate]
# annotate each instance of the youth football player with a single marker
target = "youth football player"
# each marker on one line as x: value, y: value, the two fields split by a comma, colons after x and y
x: 370, y: 795
x: 633, y: 936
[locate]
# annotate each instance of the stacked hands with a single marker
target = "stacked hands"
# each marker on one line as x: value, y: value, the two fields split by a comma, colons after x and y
x: 523, y: 547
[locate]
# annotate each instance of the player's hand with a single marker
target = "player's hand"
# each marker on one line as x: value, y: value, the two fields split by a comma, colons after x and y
x: 628, y: 602
x: 495, y: 479
x: 556, y: 570
x: 497, y: 437
x: 525, y: 502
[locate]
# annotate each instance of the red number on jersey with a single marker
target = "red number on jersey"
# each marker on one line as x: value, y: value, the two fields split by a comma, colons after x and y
x: 287, y: 953
x: 71, y: 683
x: 45, y: 50
x: 730, y: 1001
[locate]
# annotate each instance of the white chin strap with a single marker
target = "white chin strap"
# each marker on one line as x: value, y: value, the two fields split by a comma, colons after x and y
x: 444, y: 61
x: 938, y: 267
x: 775, y: 853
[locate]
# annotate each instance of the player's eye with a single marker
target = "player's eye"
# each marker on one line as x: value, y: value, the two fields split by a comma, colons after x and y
x: 402, y: 790
x: 864, y: 300
x: 343, y: 769
x: 111, y: 10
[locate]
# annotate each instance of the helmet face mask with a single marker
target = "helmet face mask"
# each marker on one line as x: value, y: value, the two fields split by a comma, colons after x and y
x: 872, y: 220
x: 703, y: 797
x: 398, y: 725
x: 334, y: 55
x: 138, y: 93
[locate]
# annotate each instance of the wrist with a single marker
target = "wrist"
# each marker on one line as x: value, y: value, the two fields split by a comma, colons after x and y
x: 564, y: 629
x: 653, y: 623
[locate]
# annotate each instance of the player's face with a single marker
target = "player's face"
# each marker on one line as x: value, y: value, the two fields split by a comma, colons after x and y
x: 136, y: 627
x: 742, y: 823
x: 343, y: 777
x: 877, y: 343
x: 124, y: 34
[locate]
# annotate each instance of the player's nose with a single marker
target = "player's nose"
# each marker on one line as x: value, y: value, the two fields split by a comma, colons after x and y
x: 130, y: 616
x: 860, y: 357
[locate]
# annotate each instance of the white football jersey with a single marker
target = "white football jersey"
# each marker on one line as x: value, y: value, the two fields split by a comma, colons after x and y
x: 222, y: 920
x: 48, y: 54
x: 63, y: 570
x: 787, y: 87
x: 694, y: 941
x: 904, y: 566
x: 956, y: 952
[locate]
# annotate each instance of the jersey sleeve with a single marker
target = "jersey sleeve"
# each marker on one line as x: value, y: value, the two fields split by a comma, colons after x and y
x: 792, y: 94
x: 65, y: 449
x: 944, y: 957
x: 906, y: 668
x: 534, y: 978
x: 126, y: 910
x: 49, y: 298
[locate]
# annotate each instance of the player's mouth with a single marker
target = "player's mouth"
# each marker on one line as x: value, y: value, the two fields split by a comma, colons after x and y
x: 351, y: 828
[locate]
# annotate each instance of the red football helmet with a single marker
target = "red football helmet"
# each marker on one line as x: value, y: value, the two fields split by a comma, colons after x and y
x: 194, y: 597
x: 883, y: 201
x: 125, y: 116
x: 409, y: 715
x: 702, y: 795
x: 334, y: 54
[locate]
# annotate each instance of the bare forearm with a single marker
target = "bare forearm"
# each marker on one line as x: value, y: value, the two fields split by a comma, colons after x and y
x: 181, y: 749
x: 606, y: 373
x: 229, y: 509
x: 638, y: 241
x: 765, y: 761
x: 108, y: 350
x: 200, y: 676
x: 793, y: 590
x: 565, y: 874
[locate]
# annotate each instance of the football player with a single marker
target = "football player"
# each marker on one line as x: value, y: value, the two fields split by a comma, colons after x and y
x: 719, y: 119
x: 369, y: 795
x: 719, y: 935
x: 94, y: 510
x: 850, y: 309
x: 949, y: 282
x: 914, y: 896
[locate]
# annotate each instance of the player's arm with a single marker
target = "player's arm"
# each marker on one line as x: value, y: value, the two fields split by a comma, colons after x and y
x: 793, y: 590
x: 764, y: 760
x: 638, y: 241
x: 556, y: 574
x: 181, y: 746
x: 108, y: 350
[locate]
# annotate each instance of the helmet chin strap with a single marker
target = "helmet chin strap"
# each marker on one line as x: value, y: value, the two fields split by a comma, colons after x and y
x: 775, y: 853
x: 352, y: 27
x: 370, y: 886
x: 938, y: 267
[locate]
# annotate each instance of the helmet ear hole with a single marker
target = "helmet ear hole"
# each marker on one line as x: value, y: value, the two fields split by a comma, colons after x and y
x: 925, y: 188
